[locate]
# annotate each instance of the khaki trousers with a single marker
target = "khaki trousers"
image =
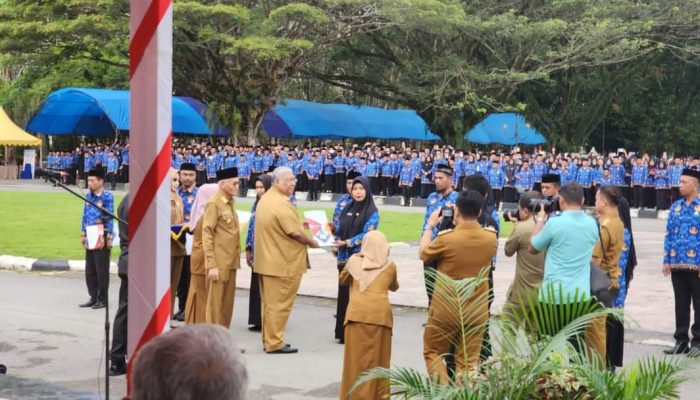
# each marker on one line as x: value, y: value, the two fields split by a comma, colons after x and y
x: 196, y: 306
x: 277, y: 295
x: 595, y: 339
x: 220, y: 296
x: 175, y: 272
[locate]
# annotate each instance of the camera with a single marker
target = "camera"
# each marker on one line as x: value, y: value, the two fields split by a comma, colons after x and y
x: 551, y: 205
x: 447, y: 221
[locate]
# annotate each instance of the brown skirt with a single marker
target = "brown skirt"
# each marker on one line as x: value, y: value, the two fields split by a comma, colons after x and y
x: 366, y: 346
x: 196, y: 306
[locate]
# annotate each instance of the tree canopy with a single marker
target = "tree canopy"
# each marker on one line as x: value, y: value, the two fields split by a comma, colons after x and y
x: 578, y: 69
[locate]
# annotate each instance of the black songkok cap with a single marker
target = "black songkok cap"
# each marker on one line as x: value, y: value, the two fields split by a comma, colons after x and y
x: 692, y: 173
x: 551, y: 178
x: 97, y: 173
x: 226, y: 173
x: 445, y: 169
x: 188, y: 166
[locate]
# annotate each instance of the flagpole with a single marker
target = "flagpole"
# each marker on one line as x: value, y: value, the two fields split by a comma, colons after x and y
x: 150, y: 133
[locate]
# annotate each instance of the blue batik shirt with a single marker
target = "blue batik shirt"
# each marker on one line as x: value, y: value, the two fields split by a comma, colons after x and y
x: 243, y: 169
x: 539, y: 170
x: 434, y: 202
x: 93, y: 216
x: 585, y: 176
x: 617, y: 173
x: 230, y: 161
x: 371, y: 169
x: 681, y: 244
x: 339, y: 206
x: 187, y: 200
x: 406, y: 175
x: 339, y: 164
x: 312, y: 170
x: 639, y: 175
x: 354, y: 244
x: 387, y: 168
x: 125, y: 157
x: 468, y: 168
x: 525, y: 179
x: 675, y: 173
x: 112, y: 164
x: 496, y: 178
x: 661, y: 181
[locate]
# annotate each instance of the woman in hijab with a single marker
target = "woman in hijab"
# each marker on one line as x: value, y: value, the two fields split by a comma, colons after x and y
x: 196, y: 305
x: 369, y: 322
x: 357, y: 218
x: 262, y: 185
x: 628, y: 260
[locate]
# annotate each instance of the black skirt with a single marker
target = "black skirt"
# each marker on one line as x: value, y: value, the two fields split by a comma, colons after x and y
x: 615, y: 340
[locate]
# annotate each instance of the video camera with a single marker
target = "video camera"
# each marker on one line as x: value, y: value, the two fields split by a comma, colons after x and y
x: 550, y: 205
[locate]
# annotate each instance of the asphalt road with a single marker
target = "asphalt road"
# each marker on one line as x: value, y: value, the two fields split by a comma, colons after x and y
x: 53, y: 349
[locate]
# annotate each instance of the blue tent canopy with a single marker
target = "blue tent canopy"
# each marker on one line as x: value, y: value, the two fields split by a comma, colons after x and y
x: 504, y: 128
x: 102, y: 112
x: 305, y: 119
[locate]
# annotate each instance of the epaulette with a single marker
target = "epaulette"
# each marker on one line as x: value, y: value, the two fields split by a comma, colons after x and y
x: 445, y: 231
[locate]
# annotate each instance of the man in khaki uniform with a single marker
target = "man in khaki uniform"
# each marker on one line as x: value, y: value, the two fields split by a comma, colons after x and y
x: 280, y: 258
x: 606, y: 254
x: 529, y: 268
x: 221, y: 244
x: 460, y: 253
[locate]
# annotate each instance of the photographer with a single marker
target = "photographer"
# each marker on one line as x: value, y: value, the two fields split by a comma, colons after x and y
x: 569, y: 239
x: 443, y: 331
x: 529, y: 268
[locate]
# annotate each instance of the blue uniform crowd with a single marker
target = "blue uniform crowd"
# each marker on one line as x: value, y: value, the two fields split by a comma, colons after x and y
x: 647, y: 181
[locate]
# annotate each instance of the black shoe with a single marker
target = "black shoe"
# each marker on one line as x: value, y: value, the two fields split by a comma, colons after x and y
x: 679, y: 348
x: 255, y: 328
x: 118, y: 368
x: 98, y: 305
x: 694, y: 351
x: 287, y: 349
x: 180, y: 316
x: 90, y: 303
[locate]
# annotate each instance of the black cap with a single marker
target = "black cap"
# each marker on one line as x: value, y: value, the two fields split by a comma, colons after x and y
x: 445, y: 169
x: 352, y: 175
x: 97, y: 173
x: 188, y: 166
x: 692, y: 173
x: 226, y: 173
x: 551, y: 178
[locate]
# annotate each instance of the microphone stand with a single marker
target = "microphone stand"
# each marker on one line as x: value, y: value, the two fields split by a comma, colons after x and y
x: 107, y: 325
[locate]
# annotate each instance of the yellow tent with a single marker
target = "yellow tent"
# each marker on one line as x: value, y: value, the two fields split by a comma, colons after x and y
x: 13, y: 135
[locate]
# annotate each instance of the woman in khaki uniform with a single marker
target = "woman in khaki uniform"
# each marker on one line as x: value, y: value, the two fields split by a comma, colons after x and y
x: 177, y: 246
x: 195, y: 308
x: 368, y: 321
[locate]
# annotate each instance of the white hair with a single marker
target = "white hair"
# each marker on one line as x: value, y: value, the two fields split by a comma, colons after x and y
x: 193, y: 362
x: 278, y: 172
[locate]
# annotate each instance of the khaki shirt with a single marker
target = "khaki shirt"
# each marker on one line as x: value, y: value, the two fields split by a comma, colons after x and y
x: 177, y: 216
x: 462, y: 253
x: 221, y: 239
x: 276, y: 253
x: 612, y: 237
x: 529, y: 268
x: 371, y: 306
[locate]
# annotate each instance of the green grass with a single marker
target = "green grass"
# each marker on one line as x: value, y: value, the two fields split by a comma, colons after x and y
x: 47, y: 225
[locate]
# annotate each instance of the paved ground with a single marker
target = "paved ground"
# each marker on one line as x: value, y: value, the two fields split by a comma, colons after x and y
x: 52, y: 347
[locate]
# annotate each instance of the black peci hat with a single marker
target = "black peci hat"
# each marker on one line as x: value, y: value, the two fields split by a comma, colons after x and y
x: 188, y: 167
x: 97, y: 173
x: 226, y: 173
x: 445, y: 169
x: 692, y: 173
x: 551, y: 178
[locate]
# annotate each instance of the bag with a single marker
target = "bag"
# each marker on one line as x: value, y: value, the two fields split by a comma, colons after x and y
x: 600, y: 281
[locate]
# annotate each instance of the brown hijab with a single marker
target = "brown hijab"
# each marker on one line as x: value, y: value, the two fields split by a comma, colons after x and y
x: 372, y: 259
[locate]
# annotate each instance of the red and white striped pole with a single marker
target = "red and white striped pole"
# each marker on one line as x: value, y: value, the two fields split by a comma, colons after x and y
x: 150, y: 133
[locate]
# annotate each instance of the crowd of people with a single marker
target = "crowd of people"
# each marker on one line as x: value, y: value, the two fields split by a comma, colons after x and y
x: 646, y: 181
x: 557, y: 245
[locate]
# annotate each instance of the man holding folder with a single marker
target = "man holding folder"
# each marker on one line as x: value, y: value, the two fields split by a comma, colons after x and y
x: 96, y: 237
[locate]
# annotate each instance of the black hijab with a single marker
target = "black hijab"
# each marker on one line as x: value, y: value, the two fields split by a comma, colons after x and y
x: 267, y: 183
x: 356, y: 214
x: 624, y: 210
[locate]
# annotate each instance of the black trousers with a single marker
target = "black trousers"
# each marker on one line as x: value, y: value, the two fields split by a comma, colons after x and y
x: 429, y: 280
x: 120, y: 328
x: 509, y: 194
x: 662, y: 196
x: 615, y: 341
x: 243, y: 188
x: 328, y: 183
x: 497, y: 194
x: 416, y: 188
x: 313, y: 190
x: 253, y: 177
x: 342, y: 307
x: 426, y: 189
x: 112, y: 179
x: 201, y: 178
x: 97, y: 273
x: 486, y: 343
x: 340, y: 182
x: 384, y: 182
x: 637, y: 196
x: 183, y: 288
x: 675, y: 194
x: 374, y: 185
x: 124, y: 173
x: 394, y: 186
x: 626, y: 192
x: 589, y: 196
x: 650, y: 197
x: 686, y: 290
x: 254, y: 313
x: 406, y: 192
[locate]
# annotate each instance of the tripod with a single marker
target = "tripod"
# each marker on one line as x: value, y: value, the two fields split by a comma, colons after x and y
x: 108, y: 215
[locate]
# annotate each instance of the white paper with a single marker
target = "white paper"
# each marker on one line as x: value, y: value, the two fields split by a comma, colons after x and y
x: 318, y: 224
x: 93, y: 233
x: 188, y: 244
